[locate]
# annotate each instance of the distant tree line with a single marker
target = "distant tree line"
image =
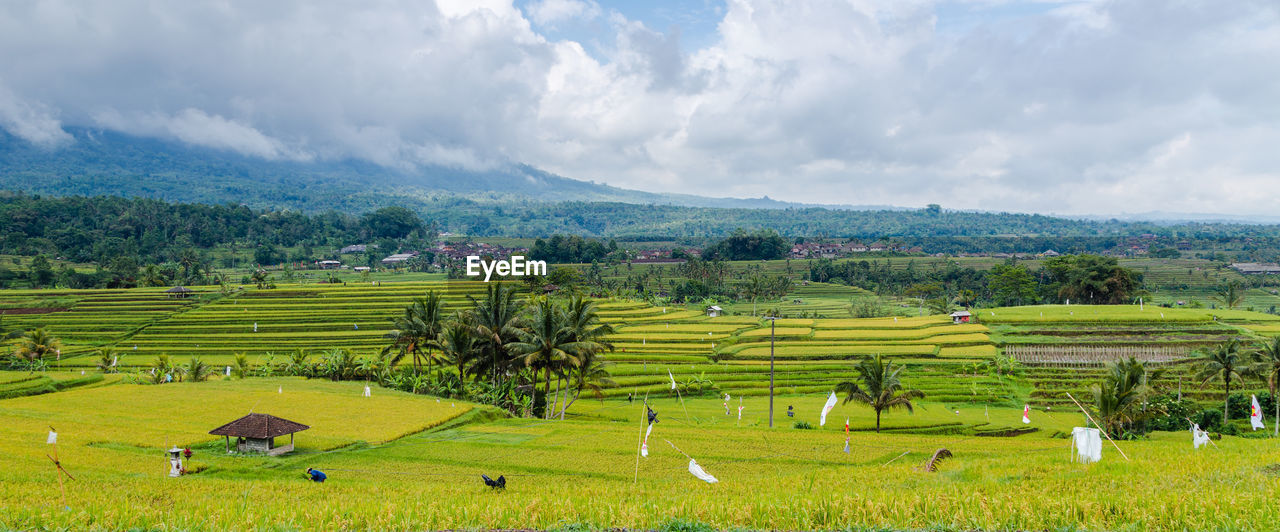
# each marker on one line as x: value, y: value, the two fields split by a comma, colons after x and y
x: 571, y: 249
x: 1090, y: 279
x: 124, y: 237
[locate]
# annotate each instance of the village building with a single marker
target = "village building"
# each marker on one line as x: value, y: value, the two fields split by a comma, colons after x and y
x: 329, y: 264
x: 1256, y: 268
x: 398, y: 258
x: 714, y: 311
x: 961, y: 316
x: 257, y: 433
x: 355, y: 248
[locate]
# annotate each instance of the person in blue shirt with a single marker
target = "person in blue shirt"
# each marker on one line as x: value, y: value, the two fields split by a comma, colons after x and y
x: 316, y: 475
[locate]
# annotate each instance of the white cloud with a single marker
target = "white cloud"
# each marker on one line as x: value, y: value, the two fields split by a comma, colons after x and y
x: 30, y: 121
x: 552, y: 12
x: 198, y: 128
x: 1076, y: 107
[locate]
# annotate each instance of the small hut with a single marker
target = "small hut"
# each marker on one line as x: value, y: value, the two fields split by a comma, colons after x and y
x: 961, y: 316
x: 257, y: 433
x: 714, y: 311
x: 179, y: 292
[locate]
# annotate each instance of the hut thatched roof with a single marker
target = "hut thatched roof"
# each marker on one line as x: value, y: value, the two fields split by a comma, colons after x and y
x: 179, y: 290
x: 259, y: 426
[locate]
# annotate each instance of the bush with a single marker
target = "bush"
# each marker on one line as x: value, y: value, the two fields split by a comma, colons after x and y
x: 1174, y: 413
x: 1238, y: 404
x: 803, y: 425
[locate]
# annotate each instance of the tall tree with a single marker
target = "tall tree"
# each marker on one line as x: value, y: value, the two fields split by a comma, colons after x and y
x: 881, y: 387
x: 1230, y: 294
x: 415, y: 331
x: 497, y: 320
x: 457, y: 344
x: 1226, y: 362
x: 548, y: 345
x: 589, y: 337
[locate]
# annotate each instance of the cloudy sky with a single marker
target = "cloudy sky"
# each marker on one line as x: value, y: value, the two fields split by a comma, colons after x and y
x: 1067, y: 106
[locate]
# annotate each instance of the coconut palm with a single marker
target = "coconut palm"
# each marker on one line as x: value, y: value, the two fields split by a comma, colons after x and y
x: 590, y: 336
x: 1230, y: 294
x: 1119, y: 398
x: 592, y: 373
x: 548, y: 345
x: 756, y: 287
x: 197, y: 371
x: 298, y: 364
x: 881, y: 388
x: 1268, y: 367
x: 1225, y: 362
x: 242, y: 367
x: 107, y: 359
x: 38, y: 344
x: 417, y: 328
x: 160, y: 368
x: 458, y: 346
x: 496, y: 320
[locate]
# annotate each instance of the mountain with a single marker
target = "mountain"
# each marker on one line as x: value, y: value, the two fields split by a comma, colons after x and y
x: 112, y: 163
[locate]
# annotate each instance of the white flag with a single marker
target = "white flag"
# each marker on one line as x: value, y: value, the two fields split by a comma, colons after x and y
x: 698, y: 472
x: 831, y: 403
x: 53, y: 438
x: 1255, y: 415
x: 1198, y: 437
x: 1026, y: 413
x: 644, y: 447
x: 673, y: 379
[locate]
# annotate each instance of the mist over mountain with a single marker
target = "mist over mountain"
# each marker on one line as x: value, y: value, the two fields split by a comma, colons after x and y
x: 107, y: 162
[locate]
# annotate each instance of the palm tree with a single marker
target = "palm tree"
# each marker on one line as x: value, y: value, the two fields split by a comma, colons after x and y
x: 589, y: 336
x: 197, y: 370
x: 161, y: 367
x: 107, y: 359
x: 1122, y: 393
x: 1230, y: 294
x: 548, y: 344
x: 38, y: 344
x: 242, y: 367
x: 298, y: 363
x: 151, y: 276
x: 416, y: 329
x: 497, y: 320
x: 756, y: 287
x: 1268, y: 366
x: 1224, y: 362
x: 458, y: 346
x: 881, y: 387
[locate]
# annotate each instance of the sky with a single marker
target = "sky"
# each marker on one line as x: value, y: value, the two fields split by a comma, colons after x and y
x: 1051, y: 106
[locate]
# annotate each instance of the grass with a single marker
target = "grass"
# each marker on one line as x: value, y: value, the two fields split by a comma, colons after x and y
x: 582, y: 473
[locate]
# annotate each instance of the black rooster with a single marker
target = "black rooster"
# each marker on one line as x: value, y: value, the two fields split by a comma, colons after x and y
x: 499, y: 484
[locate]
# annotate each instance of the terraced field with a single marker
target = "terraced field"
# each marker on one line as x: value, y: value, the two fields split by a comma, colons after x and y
x: 728, y: 353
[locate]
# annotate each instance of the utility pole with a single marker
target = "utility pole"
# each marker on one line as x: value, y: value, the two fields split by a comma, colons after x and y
x: 773, y: 321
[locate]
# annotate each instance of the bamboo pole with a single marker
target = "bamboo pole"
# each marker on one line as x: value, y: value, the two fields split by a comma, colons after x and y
x: 904, y: 453
x: 1104, y: 432
x: 640, y: 440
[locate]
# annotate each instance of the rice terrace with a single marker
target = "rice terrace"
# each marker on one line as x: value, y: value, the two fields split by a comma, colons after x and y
x: 138, y: 371
x: 640, y: 266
